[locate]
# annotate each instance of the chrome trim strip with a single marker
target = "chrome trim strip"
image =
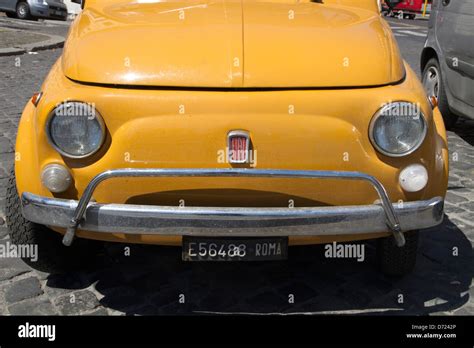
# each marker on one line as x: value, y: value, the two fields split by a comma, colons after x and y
x: 392, y: 221
x: 245, y: 222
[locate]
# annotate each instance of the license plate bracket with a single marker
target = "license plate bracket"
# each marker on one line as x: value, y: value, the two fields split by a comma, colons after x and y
x: 234, y: 249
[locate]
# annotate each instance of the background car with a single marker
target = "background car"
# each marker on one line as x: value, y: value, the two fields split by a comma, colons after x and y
x: 404, y: 8
x: 28, y: 9
x: 447, y: 60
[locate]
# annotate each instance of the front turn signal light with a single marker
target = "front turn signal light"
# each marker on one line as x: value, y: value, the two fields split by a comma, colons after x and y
x: 433, y: 101
x: 35, y: 99
x: 56, y: 178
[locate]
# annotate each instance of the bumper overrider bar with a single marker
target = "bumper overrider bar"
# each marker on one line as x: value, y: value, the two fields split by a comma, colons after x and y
x: 224, y: 221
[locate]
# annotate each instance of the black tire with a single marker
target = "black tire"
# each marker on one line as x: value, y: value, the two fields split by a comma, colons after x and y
x: 395, y: 261
x: 449, y: 117
x: 412, y: 16
x: 53, y: 256
x: 23, y: 10
x: 11, y: 14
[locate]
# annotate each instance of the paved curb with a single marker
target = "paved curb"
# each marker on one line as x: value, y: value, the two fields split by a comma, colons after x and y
x: 11, y: 51
x: 54, y: 41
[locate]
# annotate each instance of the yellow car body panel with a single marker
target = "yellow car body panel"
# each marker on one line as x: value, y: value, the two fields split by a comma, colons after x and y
x: 171, y: 105
x: 231, y: 44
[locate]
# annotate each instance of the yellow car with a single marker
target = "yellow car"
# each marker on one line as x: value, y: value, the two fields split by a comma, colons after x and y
x: 231, y: 128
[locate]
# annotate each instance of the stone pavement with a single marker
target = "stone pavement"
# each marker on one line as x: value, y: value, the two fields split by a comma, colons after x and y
x: 39, y: 26
x: 153, y: 280
x: 21, y: 36
x: 14, y: 38
x: 16, y: 42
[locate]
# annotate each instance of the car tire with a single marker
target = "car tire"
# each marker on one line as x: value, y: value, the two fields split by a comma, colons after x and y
x: 23, y: 10
x: 431, y: 78
x: 10, y: 14
x: 53, y: 256
x: 395, y: 261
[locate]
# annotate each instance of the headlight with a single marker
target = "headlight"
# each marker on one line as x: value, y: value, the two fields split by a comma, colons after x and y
x: 398, y: 129
x: 75, y: 129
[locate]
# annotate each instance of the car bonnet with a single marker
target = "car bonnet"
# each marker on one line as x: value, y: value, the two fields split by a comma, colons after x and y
x: 231, y: 44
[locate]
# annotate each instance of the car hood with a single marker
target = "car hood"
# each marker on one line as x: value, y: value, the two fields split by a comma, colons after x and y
x: 231, y: 44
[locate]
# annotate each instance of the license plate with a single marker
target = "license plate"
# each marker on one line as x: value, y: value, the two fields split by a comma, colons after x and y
x: 59, y: 13
x: 236, y: 249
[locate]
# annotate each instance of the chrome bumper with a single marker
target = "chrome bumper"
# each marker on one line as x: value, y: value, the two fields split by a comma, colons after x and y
x: 246, y: 222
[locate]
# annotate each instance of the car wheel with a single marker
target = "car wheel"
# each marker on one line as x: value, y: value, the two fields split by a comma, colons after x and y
x: 412, y: 16
x: 434, y: 87
x: 11, y: 14
x: 395, y: 261
x: 23, y: 10
x: 52, y: 255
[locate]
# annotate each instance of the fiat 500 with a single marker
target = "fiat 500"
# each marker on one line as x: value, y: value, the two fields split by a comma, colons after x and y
x: 231, y: 128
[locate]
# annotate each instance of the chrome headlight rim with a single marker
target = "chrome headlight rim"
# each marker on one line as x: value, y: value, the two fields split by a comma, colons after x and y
x: 380, y: 113
x: 51, y: 141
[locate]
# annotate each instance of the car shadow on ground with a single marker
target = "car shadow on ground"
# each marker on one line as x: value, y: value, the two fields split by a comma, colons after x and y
x: 465, y: 129
x: 153, y: 280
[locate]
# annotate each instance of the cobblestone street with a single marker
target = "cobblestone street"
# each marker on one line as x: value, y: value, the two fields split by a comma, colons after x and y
x: 153, y: 280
